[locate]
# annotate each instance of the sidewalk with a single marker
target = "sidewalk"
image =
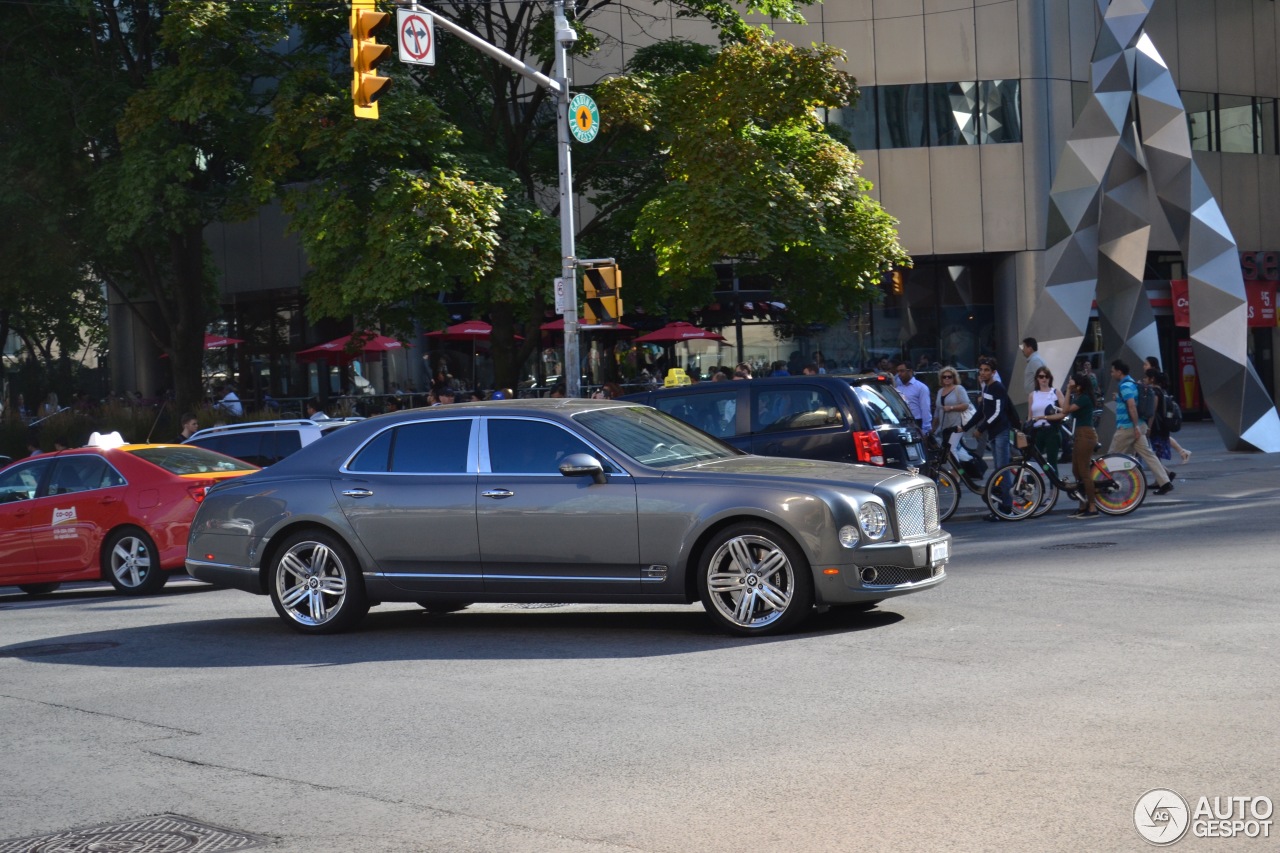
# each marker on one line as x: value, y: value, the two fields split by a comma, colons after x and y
x: 1209, y: 461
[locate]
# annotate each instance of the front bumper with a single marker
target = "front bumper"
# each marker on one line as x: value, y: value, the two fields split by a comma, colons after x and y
x: 885, y: 570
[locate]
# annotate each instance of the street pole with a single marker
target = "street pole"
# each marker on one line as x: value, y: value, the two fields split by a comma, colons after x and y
x: 565, y: 36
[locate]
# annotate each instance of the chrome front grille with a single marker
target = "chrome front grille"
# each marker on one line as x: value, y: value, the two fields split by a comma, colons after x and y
x: 917, y: 511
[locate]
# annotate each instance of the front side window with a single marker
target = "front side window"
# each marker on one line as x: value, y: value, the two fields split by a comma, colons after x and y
x: 20, y: 482
x: 518, y: 446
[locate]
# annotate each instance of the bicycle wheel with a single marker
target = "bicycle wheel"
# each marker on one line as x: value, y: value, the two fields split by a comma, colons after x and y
x: 1119, y: 484
x: 1048, y: 500
x: 948, y: 495
x: 1025, y: 492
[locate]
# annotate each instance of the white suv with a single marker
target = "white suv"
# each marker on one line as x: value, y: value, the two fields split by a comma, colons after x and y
x: 264, y: 443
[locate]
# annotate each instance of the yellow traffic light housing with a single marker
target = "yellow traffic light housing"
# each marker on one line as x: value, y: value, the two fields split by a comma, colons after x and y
x: 602, y: 288
x: 366, y: 54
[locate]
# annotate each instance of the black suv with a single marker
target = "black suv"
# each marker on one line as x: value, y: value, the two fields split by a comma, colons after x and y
x: 855, y: 418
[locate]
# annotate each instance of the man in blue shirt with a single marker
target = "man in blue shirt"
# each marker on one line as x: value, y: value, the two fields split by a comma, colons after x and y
x: 916, y: 394
x: 1131, y: 430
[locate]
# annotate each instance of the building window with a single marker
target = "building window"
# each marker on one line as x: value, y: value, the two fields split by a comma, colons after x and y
x: 933, y: 114
x: 1237, y: 124
x: 1200, y: 120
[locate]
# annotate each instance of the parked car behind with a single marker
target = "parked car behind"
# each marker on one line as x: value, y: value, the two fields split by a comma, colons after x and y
x: 569, y: 501
x: 264, y: 443
x: 854, y: 418
x: 110, y: 510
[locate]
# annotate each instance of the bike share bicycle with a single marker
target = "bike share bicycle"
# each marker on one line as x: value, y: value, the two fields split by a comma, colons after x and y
x: 1034, y: 484
x: 948, y: 473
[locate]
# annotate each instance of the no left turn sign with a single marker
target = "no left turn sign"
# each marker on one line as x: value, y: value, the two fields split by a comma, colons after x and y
x: 417, y: 37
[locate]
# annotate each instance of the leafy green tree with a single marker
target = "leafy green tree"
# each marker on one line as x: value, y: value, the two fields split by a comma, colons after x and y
x: 753, y: 174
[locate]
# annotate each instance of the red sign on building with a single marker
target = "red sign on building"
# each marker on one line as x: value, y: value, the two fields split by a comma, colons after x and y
x: 1260, y: 296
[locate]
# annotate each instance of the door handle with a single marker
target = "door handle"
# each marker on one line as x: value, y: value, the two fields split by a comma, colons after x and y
x: 109, y: 499
x: 358, y: 493
x: 498, y: 493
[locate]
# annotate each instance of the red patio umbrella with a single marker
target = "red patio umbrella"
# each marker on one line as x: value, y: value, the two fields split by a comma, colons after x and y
x: 558, y: 326
x: 336, y: 349
x: 219, y: 341
x: 674, y: 333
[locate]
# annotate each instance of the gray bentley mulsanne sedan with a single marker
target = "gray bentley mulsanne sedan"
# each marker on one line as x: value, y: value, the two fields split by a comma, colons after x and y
x: 563, y: 501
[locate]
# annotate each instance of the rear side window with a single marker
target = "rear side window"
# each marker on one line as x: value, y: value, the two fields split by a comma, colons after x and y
x: 81, y: 474
x: 792, y: 408
x: 287, y: 442
x: 713, y: 413
x: 429, y: 447
x: 883, y: 405
x: 241, y: 445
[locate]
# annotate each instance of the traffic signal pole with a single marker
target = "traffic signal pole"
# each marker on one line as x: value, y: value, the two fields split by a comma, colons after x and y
x: 565, y: 36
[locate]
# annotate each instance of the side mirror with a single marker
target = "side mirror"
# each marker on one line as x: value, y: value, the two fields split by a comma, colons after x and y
x: 583, y: 465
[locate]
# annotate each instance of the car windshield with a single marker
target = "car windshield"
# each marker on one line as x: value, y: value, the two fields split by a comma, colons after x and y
x: 653, y: 438
x: 188, y: 459
x: 884, y: 405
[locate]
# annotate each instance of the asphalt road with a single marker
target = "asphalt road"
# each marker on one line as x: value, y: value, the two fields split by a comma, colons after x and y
x: 1066, y: 668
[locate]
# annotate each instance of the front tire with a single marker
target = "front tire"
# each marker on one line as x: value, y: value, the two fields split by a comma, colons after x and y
x: 132, y: 563
x: 753, y: 580
x: 948, y: 495
x: 315, y: 582
x: 1026, y: 490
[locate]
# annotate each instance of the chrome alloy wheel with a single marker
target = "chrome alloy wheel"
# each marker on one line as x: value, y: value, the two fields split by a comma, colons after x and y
x: 751, y: 581
x: 310, y: 583
x: 130, y: 562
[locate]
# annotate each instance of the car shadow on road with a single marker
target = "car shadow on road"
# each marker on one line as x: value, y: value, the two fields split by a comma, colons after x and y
x: 407, y: 635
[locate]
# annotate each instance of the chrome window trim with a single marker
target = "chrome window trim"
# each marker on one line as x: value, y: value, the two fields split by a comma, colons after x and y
x: 485, y: 463
x: 447, y: 576
x: 472, y: 451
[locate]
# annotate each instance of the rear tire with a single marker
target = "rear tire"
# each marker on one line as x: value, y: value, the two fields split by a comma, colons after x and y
x: 753, y: 580
x: 316, y: 585
x: 38, y: 588
x: 1123, y: 488
x: 131, y: 562
x: 948, y: 495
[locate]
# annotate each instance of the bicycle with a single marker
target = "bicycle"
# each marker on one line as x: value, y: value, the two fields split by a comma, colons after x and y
x: 945, y: 470
x: 1034, y: 484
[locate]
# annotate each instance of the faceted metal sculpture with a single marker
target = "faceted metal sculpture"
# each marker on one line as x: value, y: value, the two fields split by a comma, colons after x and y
x: 1098, y: 233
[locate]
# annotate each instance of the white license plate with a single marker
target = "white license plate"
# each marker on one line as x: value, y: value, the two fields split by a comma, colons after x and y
x: 939, y: 552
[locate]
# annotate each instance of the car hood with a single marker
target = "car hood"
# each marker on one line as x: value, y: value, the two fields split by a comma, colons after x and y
x: 839, y: 473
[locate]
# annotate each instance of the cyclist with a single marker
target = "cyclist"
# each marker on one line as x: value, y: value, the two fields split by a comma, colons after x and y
x: 1079, y: 409
x: 993, y: 417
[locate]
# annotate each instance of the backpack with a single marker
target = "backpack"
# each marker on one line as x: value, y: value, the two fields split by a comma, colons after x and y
x: 1146, y: 402
x: 1172, y: 414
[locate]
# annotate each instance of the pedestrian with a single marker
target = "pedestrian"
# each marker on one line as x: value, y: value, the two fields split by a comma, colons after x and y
x: 228, y: 401
x: 1079, y: 411
x: 50, y: 405
x: 1046, y: 400
x: 190, y: 425
x: 742, y: 371
x: 993, y: 419
x: 951, y: 404
x: 315, y: 411
x: 609, y: 391
x: 1162, y: 440
x: 1085, y: 367
x: 1131, y: 430
x: 916, y: 395
x: 1035, y: 363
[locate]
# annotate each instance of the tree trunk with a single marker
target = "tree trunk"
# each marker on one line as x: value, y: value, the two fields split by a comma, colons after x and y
x: 187, y: 315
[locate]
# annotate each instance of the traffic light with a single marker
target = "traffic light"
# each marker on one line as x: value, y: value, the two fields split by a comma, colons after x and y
x: 366, y: 54
x: 602, y: 288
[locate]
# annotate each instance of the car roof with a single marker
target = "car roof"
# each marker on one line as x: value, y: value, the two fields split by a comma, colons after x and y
x: 287, y: 423
x: 821, y: 378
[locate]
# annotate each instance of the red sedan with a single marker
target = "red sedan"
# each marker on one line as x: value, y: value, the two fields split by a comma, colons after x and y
x: 115, y: 512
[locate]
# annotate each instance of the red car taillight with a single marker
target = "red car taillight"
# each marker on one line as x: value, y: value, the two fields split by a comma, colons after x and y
x: 868, y: 445
x: 198, y: 492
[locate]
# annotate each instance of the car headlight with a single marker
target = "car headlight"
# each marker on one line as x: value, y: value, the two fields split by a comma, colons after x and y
x: 849, y: 536
x: 874, y: 520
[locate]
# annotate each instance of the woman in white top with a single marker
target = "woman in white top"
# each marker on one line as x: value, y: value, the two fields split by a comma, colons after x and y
x: 1046, y: 399
x: 951, y: 402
